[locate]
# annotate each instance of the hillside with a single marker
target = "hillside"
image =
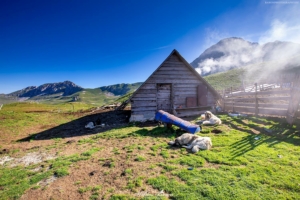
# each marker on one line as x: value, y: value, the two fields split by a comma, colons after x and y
x: 250, y: 74
x: 224, y: 80
x: 121, y: 89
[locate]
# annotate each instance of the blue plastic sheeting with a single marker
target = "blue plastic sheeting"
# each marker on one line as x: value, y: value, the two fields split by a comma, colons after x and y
x: 171, y: 119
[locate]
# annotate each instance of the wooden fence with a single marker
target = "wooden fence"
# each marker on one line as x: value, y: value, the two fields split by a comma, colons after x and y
x: 279, y: 99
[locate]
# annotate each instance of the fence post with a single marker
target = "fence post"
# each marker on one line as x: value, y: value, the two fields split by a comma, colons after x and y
x: 256, y: 101
x: 223, y: 99
x: 294, y: 101
x: 232, y: 100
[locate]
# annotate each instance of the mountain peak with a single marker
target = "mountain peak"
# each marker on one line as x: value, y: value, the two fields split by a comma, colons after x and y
x: 65, y: 88
x: 235, y: 52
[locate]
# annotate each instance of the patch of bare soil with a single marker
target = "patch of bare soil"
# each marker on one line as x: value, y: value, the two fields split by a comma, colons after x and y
x: 28, y: 159
x: 105, y: 169
x: 256, y: 132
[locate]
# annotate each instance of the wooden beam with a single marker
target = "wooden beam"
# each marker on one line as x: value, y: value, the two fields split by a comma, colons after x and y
x: 143, y: 108
x: 259, y: 99
x: 143, y: 98
x: 145, y: 95
x: 152, y: 80
x: 243, y: 94
x: 147, y: 91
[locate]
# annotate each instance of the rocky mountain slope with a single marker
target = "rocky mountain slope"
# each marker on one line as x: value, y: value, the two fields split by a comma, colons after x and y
x: 64, y: 88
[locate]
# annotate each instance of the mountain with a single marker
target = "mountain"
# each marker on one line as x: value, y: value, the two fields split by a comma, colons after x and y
x: 67, y: 91
x: 234, y: 52
x: 121, y: 89
x: 63, y: 88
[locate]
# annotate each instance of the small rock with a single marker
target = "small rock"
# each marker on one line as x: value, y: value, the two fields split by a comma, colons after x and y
x: 92, y: 173
x: 123, y: 174
x: 70, y: 141
x: 106, y: 164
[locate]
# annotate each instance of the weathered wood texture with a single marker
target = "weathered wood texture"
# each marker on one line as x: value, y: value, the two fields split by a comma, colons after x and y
x: 202, y: 94
x: 261, y: 111
x: 283, y: 101
x: 167, y: 89
x: 294, y: 101
x: 191, y: 102
x: 164, y: 97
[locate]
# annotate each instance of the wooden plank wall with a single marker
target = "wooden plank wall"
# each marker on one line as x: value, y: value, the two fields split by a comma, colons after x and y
x: 274, y: 102
x: 183, y: 83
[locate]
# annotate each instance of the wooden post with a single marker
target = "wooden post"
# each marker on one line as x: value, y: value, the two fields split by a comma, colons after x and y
x: 223, y: 99
x: 294, y: 101
x: 256, y: 101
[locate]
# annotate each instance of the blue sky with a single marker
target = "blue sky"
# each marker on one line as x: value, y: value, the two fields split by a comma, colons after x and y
x: 103, y: 42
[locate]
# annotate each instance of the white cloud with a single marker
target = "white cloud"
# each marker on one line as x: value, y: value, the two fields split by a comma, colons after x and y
x: 212, y: 36
x: 283, y: 31
x: 284, y: 25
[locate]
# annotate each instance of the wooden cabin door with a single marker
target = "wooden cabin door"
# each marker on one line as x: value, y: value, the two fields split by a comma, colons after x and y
x: 202, y: 95
x: 164, y: 97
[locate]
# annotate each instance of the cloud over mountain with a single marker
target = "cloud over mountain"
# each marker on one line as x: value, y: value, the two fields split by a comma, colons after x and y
x: 236, y: 52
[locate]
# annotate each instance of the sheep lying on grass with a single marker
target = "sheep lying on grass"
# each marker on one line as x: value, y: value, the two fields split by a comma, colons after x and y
x: 210, y: 119
x: 193, y: 142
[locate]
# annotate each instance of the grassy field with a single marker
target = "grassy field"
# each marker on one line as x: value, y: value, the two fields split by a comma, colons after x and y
x: 252, y: 158
x: 94, y: 97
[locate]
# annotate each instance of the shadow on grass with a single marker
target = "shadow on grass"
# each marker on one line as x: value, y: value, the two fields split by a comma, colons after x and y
x: 272, y: 135
x: 249, y: 143
x: 159, y: 132
x: 111, y: 119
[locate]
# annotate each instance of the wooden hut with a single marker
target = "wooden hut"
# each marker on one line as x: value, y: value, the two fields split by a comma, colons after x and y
x: 174, y: 87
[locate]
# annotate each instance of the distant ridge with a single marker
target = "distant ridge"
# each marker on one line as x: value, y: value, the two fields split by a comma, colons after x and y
x: 121, y: 89
x: 65, y: 88
x: 68, y: 91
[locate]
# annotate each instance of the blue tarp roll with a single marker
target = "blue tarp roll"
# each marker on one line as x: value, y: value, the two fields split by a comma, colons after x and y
x: 171, y: 119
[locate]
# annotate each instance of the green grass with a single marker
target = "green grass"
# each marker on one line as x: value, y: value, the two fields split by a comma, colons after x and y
x: 240, y: 165
x: 121, y: 197
x: 14, y: 181
x: 91, y: 152
x: 133, y: 184
x: 63, y: 171
x: 89, y: 188
x: 140, y: 158
x: 128, y: 172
